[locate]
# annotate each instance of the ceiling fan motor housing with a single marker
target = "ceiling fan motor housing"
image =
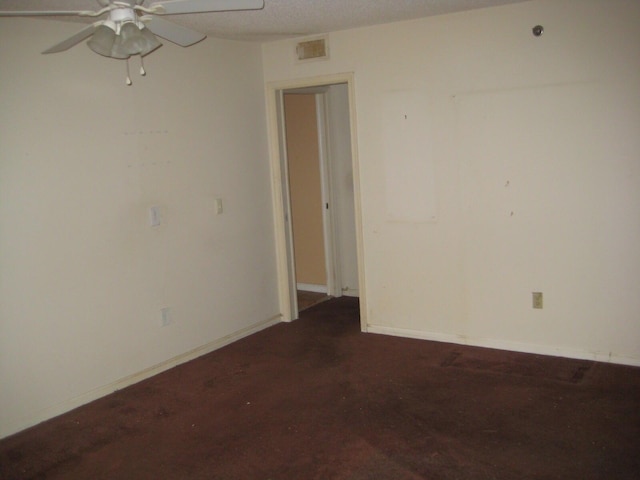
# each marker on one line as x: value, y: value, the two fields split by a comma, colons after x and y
x: 119, y: 16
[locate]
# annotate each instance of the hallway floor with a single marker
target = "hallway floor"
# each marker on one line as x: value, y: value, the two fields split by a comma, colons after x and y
x: 309, y: 299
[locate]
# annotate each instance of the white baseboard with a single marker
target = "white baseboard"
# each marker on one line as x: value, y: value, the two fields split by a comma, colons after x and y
x: 6, y: 430
x: 309, y: 287
x: 506, y: 345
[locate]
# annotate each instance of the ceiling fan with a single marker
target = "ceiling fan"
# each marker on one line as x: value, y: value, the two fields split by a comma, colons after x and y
x: 130, y: 27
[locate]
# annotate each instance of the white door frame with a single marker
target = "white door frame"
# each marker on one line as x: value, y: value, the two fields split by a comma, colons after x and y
x: 281, y: 205
x: 328, y: 223
x: 283, y: 163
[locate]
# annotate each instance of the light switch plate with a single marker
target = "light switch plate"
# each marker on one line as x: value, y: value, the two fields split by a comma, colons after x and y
x: 155, y: 218
x: 537, y: 301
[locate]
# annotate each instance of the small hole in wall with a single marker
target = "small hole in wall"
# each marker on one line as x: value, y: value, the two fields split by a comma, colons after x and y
x: 537, y: 30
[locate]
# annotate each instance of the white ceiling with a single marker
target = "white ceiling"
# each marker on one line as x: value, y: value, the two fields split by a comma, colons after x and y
x: 282, y: 18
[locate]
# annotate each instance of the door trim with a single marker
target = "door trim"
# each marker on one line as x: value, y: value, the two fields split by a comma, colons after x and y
x: 283, y: 163
x: 328, y: 224
x: 273, y: 93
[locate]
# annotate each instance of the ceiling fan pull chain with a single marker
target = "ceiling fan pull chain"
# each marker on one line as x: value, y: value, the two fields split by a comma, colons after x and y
x: 128, y: 81
x: 143, y: 72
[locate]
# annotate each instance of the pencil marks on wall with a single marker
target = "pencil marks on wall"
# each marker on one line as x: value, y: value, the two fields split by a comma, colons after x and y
x: 408, y: 161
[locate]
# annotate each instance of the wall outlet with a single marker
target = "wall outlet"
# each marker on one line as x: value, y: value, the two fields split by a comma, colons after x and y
x: 536, y: 298
x: 166, y: 316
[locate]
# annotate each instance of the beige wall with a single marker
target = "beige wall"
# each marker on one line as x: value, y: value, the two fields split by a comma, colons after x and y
x: 303, y: 157
x: 494, y: 164
x: 83, y: 277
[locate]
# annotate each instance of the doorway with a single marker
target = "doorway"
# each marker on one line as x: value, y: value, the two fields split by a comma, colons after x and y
x: 306, y: 146
x: 338, y: 201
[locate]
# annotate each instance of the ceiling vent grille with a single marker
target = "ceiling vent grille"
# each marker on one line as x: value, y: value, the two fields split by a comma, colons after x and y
x: 314, y: 49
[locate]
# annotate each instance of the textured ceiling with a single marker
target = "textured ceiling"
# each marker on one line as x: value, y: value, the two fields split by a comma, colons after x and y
x: 283, y: 18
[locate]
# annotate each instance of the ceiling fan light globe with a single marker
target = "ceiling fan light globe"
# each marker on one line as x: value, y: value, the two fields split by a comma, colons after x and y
x: 132, y: 40
x: 136, y: 40
x: 151, y: 42
x: 102, y: 40
x: 118, y: 51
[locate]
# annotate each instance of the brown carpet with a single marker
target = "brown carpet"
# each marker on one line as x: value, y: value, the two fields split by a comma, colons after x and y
x: 317, y: 399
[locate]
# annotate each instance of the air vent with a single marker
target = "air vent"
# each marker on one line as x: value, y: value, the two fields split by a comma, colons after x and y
x: 314, y: 49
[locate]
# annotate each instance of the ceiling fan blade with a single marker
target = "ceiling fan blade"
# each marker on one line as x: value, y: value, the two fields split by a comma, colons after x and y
x: 44, y: 13
x: 172, y: 7
x: 73, y: 40
x: 174, y: 33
